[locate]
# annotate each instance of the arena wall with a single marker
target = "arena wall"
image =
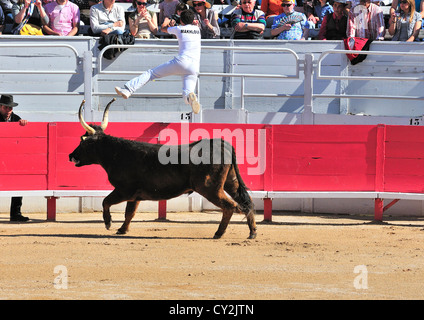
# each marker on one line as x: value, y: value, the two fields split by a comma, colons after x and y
x: 49, y: 76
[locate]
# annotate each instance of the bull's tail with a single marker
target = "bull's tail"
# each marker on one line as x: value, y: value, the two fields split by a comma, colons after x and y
x: 242, y: 197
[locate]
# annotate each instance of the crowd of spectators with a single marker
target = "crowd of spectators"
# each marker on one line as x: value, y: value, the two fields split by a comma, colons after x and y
x: 284, y: 19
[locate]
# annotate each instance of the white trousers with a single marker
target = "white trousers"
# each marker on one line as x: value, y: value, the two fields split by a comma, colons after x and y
x: 186, y: 67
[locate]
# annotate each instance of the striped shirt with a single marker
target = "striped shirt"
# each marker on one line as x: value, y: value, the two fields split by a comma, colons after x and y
x: 256, y: 16
x: 366, y: 23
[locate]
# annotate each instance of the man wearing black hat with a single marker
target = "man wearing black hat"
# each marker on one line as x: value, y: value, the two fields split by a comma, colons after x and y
x: 7, y: 115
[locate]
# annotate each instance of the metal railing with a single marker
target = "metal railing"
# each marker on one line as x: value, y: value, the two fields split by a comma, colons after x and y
x: 379, y: 53
x: 243, y: 76
x: 308, y: 65
x: 44, y: 71
x: 367, y: 78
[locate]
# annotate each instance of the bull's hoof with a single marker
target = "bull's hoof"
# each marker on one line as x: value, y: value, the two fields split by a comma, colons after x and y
x: 252, y: 236
x: 120, y: 231
x: 108, y: 225
x: 217, y: 236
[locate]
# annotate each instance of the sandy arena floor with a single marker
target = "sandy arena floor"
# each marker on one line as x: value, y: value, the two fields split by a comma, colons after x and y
x: 296, y: 257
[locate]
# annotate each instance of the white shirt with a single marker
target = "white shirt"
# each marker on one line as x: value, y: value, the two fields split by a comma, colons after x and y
x: 189, y: 41
x: 101, y: 18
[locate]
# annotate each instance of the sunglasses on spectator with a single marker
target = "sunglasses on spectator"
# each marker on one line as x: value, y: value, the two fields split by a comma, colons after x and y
x: 286, y: 4
x: 247, y: 2
x: 141, y: 3
x: 404, y: 2
x: 199, y: 4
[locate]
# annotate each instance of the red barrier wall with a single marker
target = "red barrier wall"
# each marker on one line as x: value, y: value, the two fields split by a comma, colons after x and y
x: 294, y: 157
x: 23, y: 156
x: 324, y: 158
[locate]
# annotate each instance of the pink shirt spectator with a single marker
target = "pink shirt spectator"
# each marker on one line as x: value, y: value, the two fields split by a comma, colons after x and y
x: 62, y: 17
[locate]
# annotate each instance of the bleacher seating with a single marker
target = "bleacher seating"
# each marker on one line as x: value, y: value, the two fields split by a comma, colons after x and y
x: 222, y: 10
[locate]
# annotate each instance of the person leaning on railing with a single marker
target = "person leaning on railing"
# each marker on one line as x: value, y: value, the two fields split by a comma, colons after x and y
x: 366, y: 20
x: 64, y: 17
x: 29, y: 16
x: 7, y: 115
x: 248, y: 22
x: 205, y: 18
x: 334, y: 24
x: 142, y: 22
x: 405, y: 23
x: 290, y: 25
x: 107, y: 18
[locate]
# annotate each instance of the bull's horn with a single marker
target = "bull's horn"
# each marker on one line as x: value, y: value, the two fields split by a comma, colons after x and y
x: 84, y: 124
x: 106, y: 115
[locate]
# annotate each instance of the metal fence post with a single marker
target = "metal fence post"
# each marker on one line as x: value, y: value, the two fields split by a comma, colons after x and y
x: 88, y: 84
x: 307, y: 116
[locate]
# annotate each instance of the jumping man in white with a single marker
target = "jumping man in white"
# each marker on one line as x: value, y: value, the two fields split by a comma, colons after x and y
x: 185, y: 64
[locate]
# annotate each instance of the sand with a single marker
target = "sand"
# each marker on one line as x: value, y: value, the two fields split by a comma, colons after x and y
x: 297, y: 256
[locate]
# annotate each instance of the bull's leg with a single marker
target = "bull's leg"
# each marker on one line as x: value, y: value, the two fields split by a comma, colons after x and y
x: 129, y: 214
x: 226, y: 216
x: 252, y: 224
x: 244, y: 201
x: 226, y: 204
x: 113, y: 198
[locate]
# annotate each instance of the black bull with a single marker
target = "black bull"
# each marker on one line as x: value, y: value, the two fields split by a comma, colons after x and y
x: 136, y: 171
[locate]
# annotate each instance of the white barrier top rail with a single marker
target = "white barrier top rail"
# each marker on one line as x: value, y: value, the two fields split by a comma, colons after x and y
x: 247, y: 49
x: 374, y: 78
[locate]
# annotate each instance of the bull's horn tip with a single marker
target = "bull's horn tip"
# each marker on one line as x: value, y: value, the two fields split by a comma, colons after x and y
x: 114, y: 99
x: 83, y: 101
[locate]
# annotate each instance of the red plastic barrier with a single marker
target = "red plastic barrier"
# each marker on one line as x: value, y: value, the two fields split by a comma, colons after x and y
x: 404, y: 159
x: 324, y: 158
x: 23, y: 156
x: 271, y: 157
x: 68, y: 177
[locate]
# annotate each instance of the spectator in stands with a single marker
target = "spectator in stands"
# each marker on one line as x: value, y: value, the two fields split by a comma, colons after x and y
x: 2, y: 20
x: 7, y: 115
x: 290, y: 25
x: 205, y: 19
x: 354, y: 3
x: 405, y: 24
x: 84, y: 6
x: 248, y: 22
x: 175, y: 19
x: 29, y: 17
x: 64, y: 18
x: 143, y: 23
x: 366, y: 21
x: 107, y: 18
x: 7, y: 5
x: 271, y: 8
x: 315, y: 12
x: 167, y: 9
x: 419, y: 7
x: 334, y: 25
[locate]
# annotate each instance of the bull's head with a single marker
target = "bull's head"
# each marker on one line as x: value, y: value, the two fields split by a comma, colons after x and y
x: 85, y: 154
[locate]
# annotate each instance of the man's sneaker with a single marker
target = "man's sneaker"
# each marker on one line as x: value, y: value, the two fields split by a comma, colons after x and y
x: 195, y: 105
x: 124, y: 93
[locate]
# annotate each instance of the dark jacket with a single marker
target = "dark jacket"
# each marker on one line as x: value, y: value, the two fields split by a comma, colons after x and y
x: 336, y: 30
x: 13, y: 118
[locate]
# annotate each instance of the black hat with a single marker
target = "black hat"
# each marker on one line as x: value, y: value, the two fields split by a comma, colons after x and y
x: 7, y: 100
